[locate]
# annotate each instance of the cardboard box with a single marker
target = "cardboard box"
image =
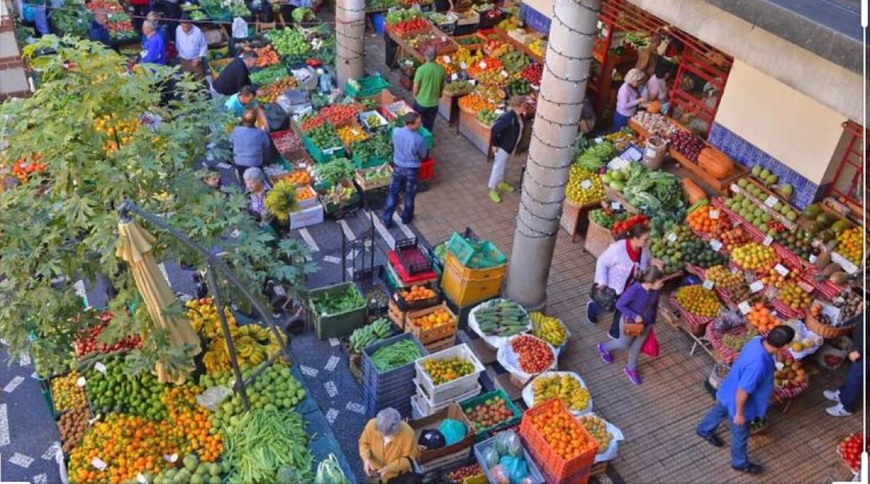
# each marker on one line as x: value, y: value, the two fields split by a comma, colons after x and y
x: 306, y: 217
x: 452, y: 411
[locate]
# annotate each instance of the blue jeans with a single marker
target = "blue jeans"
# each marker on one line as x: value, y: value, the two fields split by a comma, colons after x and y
x: 427, y: 116
x: 404, y: 179
x: 850, y: 392
x: 739, y: 433
x: 619, y: 122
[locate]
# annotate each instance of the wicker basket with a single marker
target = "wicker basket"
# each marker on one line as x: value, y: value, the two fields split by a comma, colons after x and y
x: 598, y: 239
x: 825, y: 331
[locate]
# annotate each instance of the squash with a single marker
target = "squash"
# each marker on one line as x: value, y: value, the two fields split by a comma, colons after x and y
x: 716, y: 163
x: 693, y: 191
x: 654, y: 107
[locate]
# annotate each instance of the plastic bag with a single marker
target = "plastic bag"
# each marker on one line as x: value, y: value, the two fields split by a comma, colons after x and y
x: 499, y: 475
x: 452, y: 430
x: 213, y: 397
x: 240, y: 28
x: 490, y: 457
x: 507, y: 443
x: 515, y: 468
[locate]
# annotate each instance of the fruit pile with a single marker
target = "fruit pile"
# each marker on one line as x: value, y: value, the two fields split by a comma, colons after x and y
x: 474, y: 103
x: 489, y: 413
x: 686, y: 143
x: 269, y: 94
x: 286, y: 141
x: 88, y: 341
x: 489, y: 78
x: 117, y: 391
x: 850, y: 450
x: 464, y: 473
x: 537, y: 47
x: 351, y: 134
x: 563, y: 433
x: 681, y: 246
x: 655, y: 123
x: 254, y: 345
x: 549, y: 329
x: 736, y: 342
x: 288, y: 42
x: 66, y: 394
x: 699, y: 301
x: 800, y: 242
x: 803, y: 344
x: 761, y: 318
x: 118, y: 132
x: 417, y: 293
x: 25, y: 166
x: 733, y: 238
x: 311, y: 121
x: 564, y: 387
x: 439, y: 317
x: 724, y: 278
x: 324, y: 137
x: 266, y: 56
x: 305, y: 193
x: 777, y: 280
x: 583, y: 186
x: 458, y: 88
x: 533, y: 73
x: 598, y: 429
x: 192, y: 423
x: 204, y: 318
x: 753, y: 256
x: 501, y: 317
x: 336, y: 114
x: 369, y: 334
x: 441, y: 371
x: 851, y: 246
x: 488, y: 64
x: 702, y: 221
x: 467, y: 57
x: 795, y: 297
x: 194, y: 471
x: 414, y: 25
x: 487, y: 117
x: 72, y: 426
x: 792, y: 373
x: 534, y: 355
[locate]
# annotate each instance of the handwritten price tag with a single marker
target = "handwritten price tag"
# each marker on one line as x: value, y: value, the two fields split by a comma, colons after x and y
x: 100, y: 464
x: 446, y: 59
x: 81, y: 382
x: 735, y: 188
x: 767, y: 241
x: 744, y: 307
x: 756, y: 286
x: 771, y: 201
x: 715, y: 245
x: 463, y: 65
x: 586, y: 184
x: 141, y: 479
x: 781, y: 269
x: 170, y: 458
x: 714, y: 214
x: 734, y: 270
x: 672, y: 237
x: 100, y: 367
x: 708, y: 285
x: 482, y: 65
x: 615, y: 205
x: 813, y: 259
x: 454, y: 76
x: 503, y: 74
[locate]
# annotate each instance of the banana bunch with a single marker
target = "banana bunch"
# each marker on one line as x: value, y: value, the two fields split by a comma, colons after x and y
x: 563, y: 387
x: 370, y: 334
x: 253, y: 344
x: 549, y: 329
x: 204, y: 318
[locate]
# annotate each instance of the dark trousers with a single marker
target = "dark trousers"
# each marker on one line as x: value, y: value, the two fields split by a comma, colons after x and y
x: 595, y: 311
x: 739, y: 433
x: 850, y: 392
x: 427, y: 116
x: 404, y: 180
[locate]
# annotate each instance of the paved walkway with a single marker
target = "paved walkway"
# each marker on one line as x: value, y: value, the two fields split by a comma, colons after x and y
x: 658, y: 418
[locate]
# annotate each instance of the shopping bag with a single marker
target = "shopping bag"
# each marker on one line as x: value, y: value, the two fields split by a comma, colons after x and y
x: 651, y: 345
x: 240, y: 28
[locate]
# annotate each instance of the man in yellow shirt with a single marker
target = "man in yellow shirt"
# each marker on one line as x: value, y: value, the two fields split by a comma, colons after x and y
x: 387, y: 446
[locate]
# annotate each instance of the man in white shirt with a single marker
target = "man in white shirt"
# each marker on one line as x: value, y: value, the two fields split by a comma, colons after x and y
x: 192, y: 48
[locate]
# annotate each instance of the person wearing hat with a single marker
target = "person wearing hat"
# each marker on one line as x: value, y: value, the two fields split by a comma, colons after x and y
x: 387, y: 446
x: 192, y: 48
x: 628, y: 99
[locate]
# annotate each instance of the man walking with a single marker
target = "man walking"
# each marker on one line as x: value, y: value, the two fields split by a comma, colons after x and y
x: 506, y: 134
x: 744, y: 395
x: 428, y: 85
x: 192, y: 48
x: 848, y: 396
x: 409, y: 150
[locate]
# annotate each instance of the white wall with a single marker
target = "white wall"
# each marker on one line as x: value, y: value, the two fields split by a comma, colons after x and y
x: 543, y: 6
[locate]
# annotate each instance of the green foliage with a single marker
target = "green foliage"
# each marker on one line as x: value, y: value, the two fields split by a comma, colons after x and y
x: 61, y: 225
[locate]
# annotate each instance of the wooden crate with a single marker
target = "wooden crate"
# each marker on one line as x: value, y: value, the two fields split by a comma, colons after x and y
x: 597, y: 239
x: 435, y: 334
x: 474, y: 131
x: 439, y: 345
x: 573, y: 216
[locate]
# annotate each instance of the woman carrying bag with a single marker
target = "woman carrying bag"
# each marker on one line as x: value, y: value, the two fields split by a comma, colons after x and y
x: 638, y: 305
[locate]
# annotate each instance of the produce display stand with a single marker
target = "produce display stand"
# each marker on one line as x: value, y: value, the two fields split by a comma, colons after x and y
x: 391, y: 388
x: 616, y: 197
x: 521, y: 47
x: 448, y: 108
x: 597, y: 239
x: 476, y: 132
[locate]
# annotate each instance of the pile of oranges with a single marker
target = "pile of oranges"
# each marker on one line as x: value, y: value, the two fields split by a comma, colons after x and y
x: 437, y: 318
x: 761, y: 318
x: 701, y: 221
x: 417, y: 293
x: 851, y: 245
x: 562, y: 431
x: 25, y: 166
x: 191, y: 424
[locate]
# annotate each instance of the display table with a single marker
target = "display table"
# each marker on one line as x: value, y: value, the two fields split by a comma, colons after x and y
x: 573, y: 216
x: 448, y: 108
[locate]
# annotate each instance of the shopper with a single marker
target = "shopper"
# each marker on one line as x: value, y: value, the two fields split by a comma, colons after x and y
x: 507, y: 131
x: 628, y: 99
x: 617, y: 267
x: 428, y: 85
x: 657, y: 88
x: 848, y: 396
x: 98, y: 32
x: 161, y: 29
x: 242, y: 101
x: 153, y: 48
x: 409, y: 150
x: 639, y: 304
x: 235, y: 75
x: 251, y: 146
x: 255, y: 183
x: 744, y: 395
x: 387, y: 446
x: 192, y: 48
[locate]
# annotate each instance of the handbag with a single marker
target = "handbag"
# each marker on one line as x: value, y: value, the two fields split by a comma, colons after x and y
x: 650, y: 347
x: 604, y: 296
x: 410, y: 477
x: 631, y: 329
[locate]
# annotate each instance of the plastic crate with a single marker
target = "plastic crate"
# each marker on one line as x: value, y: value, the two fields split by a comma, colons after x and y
x: 534, y: 473
x: 474, y: 274
x: 428, y: 140
x: 371, y: 374
x: 427, y: 169
x: 556, y: 466
x: 435, y: 391
x: 337, y: 325
x: 410, y: 255
x: 322, y: 156
x: 406, y: 306
x: 483, y: 434
x: 438, y: 333
x: 406, y: 278
x: 464, y: 292
x: 425, y: 407
x: 370, y: 162
x: 367, y: 86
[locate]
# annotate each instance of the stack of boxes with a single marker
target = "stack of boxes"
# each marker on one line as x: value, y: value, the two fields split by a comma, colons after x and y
x: 430, y: 397
x: 392, y: 388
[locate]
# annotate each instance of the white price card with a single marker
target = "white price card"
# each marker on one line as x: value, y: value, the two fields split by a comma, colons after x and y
x: 141, y: 479
x: 813, y: 259
x: 779, y: 365
x: 482, y: 65
x: 473, y: 82
x: 446, y: 59
x: 735, y: 188
x: 586, y: 184
x: 708, y: 284
x: 170, y: 458
x: 100, y: 464
x: 100, y: 367
x: 771, y: 201
x: 714, y: 214
x: 715, y: 245
x: 503, y: 74
x: 845, y: 263
x: 650, y: 153
x: 81, y: 382
x: 756, y: 286
x: 91, y: 421
x: 463, y: 65
x: 672, y: 237
x: 454, y: 77
x: 767, y: 241
x: 734, y: 270
x: 781, y: 269
x: 599, y: 140
x: 744, y: 307
x: 615, y: 205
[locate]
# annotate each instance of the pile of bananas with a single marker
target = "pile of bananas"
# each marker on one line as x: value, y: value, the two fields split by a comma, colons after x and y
x: 548, y: 329
x: 203, y: 316
x: 254, y: 344
x: 466, y: 56
x: 368, y: 335
x: 564, y: 387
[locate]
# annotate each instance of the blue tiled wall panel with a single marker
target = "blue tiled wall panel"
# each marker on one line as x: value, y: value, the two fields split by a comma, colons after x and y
x: 747, y: 154
x: 535, y: 19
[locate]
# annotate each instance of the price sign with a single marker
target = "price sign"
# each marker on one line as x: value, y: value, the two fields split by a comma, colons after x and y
x: 672, y: 237
x: 767, y: 241
x: 141, y: 479
x: 100, y: 367
x: 482, y: 65
x: 849, y: 267
x: 503, y: 74
x: 779, y: 366
x: 708, y: 284
x: 463, y: 65
x: 615, y: 205
x: 715, y: 245
x: 771, y: 201
x: 586, y: 184
x: 734, y: 270
x: 599, y: 140
x: 91, y: 421
x: 81, y: 382
x: 744, y: 307
x: 756, y: 286
x: 446, y: 59
x: 170, y: 458
x: 473, y: 82
x: 454, y: 77
x: 99, y: 463
x: 735, y: 188
x: 714, y: 214
x: 813, y: 259
x: 781, y: 269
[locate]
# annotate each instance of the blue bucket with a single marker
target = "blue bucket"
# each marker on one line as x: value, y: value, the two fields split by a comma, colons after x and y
x: 378, y: 20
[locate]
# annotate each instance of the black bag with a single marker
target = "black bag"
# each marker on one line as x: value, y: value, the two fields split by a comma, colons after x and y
x: 604, y: 296
x: 409, y: 477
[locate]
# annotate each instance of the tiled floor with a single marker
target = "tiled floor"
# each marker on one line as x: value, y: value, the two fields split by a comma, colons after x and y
x: 658, y: 418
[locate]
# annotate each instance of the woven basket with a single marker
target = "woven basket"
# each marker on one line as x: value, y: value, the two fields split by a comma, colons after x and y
x: 598, y: 238
x: 825, y: 331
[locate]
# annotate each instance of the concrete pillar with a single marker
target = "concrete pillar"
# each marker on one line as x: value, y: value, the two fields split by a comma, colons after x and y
x: 350, y: 20
x: 563, y: 88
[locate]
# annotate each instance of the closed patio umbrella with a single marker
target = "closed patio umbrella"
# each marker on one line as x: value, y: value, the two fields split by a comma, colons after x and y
x: 135, y: 248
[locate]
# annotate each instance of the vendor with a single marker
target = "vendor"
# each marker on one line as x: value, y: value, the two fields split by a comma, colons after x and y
x: 235, y: 75
x: 648, y: 58
x: 98, y: 31
x: 255, y: 183
x: 251, y: 146
x: 657, y: 88
x: 387, y: 446
x: 628, y: 99
x: 153, y: 48
x: 192, y: 48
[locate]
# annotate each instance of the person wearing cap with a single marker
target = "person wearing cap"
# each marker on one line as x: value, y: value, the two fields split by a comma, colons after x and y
x: 192, y: 48
x: 387, y: 446
x: 628, y: 99
x: 409, y: 150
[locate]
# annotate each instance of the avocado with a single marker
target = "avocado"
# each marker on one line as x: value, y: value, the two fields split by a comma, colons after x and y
x: 840, y: 226
x: 812, y: 211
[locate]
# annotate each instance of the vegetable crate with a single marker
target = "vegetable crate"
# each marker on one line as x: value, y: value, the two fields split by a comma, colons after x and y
x: 555, y: 467
x: 455, y: 452
x: 438, y: 333
x: 598, y: 239
x: 475, y: 401
x: 421, y: 406
x: 340, y: 324
x: 535, y: 475
x: 407, y: 277
x: 370, y: 162
x: 405, y: 306
x: 322, y: 155
x: 464, y: 292
x: 366, y: 86
x: 436, y: 392
x: 483, y: 254
x: 366, y: 185
x: 396, y: 385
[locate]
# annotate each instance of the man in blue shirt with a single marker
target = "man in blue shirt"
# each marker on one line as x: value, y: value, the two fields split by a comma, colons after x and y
x: 744, y: 395
x: 252, y: 147
x: 153, y: 48
x: 98, y: 32
x: 409, y: 150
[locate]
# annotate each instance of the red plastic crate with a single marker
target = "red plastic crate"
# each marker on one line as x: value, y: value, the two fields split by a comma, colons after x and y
x: 427, y: 169
x: 403, y: 274
x: 555, y: 467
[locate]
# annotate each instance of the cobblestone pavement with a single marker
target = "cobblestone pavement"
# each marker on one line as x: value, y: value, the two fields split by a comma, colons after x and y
x: 658, y: 418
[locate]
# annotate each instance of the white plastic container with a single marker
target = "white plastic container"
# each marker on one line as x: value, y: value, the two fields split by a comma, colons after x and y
x: 529, y: 394
x: 424, y: 407
x: 463, y: 382
x: 509, y: 360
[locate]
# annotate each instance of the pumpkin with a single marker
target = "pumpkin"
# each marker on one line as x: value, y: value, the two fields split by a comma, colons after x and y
x: 693, y: 191
x: 716, y: 163
x: 654, y: 107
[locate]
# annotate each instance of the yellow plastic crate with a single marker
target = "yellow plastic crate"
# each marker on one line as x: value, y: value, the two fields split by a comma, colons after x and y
x: 464, y: 292
x: 474, y: 274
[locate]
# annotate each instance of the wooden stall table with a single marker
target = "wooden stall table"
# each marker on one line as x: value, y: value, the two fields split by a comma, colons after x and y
x: 521, y: 47
x: 448, y: 108
x: 573, y: 215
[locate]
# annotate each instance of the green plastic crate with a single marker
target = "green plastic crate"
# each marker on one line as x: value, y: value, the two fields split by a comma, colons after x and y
x: 368, y: 86
x: 370, y: 162
x: 483, y: 434
x: 321, y: 156
x: 475, y: 255
x: 341, y: 324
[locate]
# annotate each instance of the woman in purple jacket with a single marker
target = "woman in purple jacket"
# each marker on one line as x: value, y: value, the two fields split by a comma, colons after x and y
x: 638, y: 304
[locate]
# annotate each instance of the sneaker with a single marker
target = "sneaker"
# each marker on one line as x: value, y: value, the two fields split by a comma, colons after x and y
x: 749, y: 468
x: 832, y: 395
x: 632, y: 375
x: 605, y: 355
x: 494, y: 196
x: 589, y: 318
x: 506, y: 187
x: 712, y: 439
x: 837, y: 411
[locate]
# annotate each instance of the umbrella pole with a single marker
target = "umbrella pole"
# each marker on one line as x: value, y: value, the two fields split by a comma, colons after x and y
x: 239, y: 385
